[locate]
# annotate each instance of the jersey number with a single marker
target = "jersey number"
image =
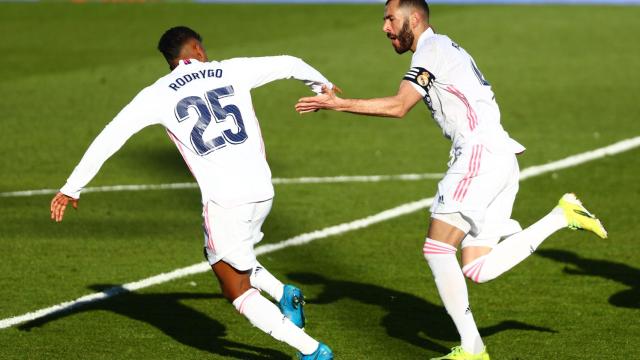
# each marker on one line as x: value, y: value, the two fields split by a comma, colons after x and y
x: 210, y: 108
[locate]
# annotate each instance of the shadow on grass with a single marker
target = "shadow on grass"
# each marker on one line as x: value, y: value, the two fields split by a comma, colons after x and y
x: 162, y: 158
x: 166, y: 312
x: 621, y: 273
x: 409, y: 318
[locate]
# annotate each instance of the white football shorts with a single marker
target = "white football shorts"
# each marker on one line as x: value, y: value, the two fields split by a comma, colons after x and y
x: 481, y: 185
x: 231, y: 233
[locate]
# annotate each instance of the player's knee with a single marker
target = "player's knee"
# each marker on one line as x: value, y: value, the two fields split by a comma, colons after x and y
x: 473, y: 271
x: 229, y: 293
x: 477, y: 280
x: 233, y: 291
x: 233, y: 283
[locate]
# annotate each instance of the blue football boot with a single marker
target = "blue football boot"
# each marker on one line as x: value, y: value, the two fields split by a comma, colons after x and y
x: 291, y: 305
x: 322, y: 353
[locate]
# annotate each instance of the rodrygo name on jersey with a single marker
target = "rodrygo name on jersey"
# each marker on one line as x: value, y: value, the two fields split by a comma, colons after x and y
x: 201, y: 74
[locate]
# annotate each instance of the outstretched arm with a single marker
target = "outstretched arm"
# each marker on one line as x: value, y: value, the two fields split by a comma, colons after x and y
x: 392, y: 106
x: 105, y: 144
x: 258, y: 71
x: 129, y: 121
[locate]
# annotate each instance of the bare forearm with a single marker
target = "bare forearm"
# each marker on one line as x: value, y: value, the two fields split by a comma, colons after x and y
x: 385, y: 107
x: 391, y: 106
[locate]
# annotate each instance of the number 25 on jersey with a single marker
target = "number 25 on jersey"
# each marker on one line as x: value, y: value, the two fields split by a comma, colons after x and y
x: 210, y: 108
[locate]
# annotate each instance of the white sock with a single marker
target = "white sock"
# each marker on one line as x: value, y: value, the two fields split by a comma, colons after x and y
x: 262, y: 279
x: 264, y: 315
x: 517, y: 247
x: 453, y: 292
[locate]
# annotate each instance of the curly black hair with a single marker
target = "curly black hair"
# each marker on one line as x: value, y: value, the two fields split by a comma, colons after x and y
x: 172, y: 41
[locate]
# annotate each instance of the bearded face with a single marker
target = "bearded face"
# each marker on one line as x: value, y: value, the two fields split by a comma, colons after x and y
x: 403, y: 40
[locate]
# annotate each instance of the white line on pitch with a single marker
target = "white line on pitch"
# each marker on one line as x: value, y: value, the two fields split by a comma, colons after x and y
x: 276, y: 181
x: 305, y: 238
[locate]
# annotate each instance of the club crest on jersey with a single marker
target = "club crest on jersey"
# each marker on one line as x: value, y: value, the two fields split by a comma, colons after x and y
x: 421, y: 77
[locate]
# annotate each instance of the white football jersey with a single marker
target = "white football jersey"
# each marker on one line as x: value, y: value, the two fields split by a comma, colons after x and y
x: 207, y: 111
x: 456, y: 92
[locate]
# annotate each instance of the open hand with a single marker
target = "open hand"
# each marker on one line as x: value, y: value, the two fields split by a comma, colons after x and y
x: 326, y: 100
x: 59, y: 204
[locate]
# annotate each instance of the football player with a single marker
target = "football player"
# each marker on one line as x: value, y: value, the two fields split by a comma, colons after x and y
x: 473, y: 203
x: 206, y: 109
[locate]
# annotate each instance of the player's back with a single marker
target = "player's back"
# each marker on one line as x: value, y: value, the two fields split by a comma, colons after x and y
x: 207, y: 110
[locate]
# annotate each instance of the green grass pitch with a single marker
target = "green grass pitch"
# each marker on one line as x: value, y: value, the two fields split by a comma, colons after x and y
x: 566, y: 78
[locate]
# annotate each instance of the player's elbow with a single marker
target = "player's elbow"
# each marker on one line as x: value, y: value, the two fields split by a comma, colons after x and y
x: 398, y: 110
x: 292, y: 60
x: 396, y: 114
x: 404, y: 110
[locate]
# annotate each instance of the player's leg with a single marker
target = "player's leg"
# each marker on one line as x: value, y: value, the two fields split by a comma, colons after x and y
x: 262, y: 313
x: 461, y: 201
x: 262, y: 279
x: 229, y: 248
x: 289, y: 297
x: 233, y: 282
x: 481, y: 265
x: 446, y: 231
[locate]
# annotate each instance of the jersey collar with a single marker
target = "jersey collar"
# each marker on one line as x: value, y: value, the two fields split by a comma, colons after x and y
x: 187, y: 61
x: 424, y: 36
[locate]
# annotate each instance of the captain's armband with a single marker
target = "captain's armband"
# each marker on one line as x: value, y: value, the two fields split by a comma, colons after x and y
x: 420, y: 76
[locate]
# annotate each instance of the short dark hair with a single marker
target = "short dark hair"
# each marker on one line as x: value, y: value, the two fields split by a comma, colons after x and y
x: 416, y: 4
x: 173, y: 39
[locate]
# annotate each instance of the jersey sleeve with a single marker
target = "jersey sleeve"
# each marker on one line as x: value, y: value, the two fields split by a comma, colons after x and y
x: 420, y: 78
x: 424, y: 66
x: 131, y: 119
x: 258, y: 71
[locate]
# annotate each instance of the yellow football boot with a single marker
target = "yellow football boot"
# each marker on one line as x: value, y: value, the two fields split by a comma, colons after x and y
x: 458, y: 353
x: 578, y: 217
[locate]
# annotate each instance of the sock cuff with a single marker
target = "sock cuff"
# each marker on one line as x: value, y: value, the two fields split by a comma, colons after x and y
x: 472, y: 270
x: 241, y: 301
x: 434, y: 247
